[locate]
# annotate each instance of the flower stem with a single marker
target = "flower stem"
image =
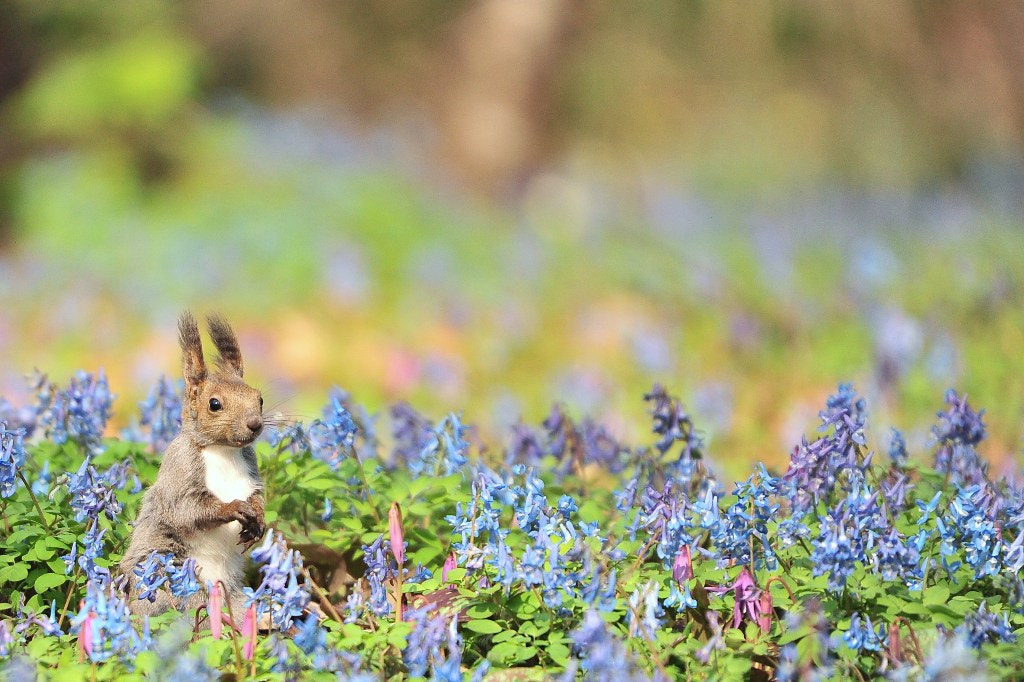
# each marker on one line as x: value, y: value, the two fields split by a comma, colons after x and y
x: 322, y: 595
x: 39, y: 509
x: 71, y: 590
x: 234, y: 626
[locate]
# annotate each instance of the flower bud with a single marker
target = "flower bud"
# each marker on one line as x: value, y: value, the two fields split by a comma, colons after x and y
x: 682, y: 569
x: 397, y: 536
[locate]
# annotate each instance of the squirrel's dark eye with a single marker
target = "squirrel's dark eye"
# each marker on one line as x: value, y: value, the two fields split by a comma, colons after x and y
x: 214, y: 405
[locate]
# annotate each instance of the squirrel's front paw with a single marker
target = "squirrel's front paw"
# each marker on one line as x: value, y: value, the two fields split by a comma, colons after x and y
x: 253, y: 526
x: 249, y: 516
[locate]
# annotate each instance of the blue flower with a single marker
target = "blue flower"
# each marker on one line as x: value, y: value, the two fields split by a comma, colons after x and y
x: 78, y: 413
x: 279, y: 591
x: 898, y: 449
x: 109, y: 618
x: 862, y: 636
x: 161, y: 412
x: 645, y: 611
x: 602, y: 655
x: 12, y: 458
x: 328, y: 510
x: 982, y: 626
x: 332, y: 438
x: 959, y: 430
x: 183, y: 581
x: 378, y: 570
x: 151, y: 575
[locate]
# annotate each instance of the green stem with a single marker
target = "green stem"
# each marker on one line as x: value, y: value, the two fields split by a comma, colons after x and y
x: 39, y: 509
x: 71, y: 590
x: 234, y: 626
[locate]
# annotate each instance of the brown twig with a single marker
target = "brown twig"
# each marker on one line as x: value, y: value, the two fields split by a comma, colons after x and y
x: 322, y: 596
x: 913, y: 637
x: 778, y: 578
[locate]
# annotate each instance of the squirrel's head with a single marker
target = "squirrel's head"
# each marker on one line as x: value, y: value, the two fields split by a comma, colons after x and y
x: 219, y: 407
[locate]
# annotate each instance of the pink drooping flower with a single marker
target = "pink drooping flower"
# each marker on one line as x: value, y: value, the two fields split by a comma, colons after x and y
x: 397, y: 535
x: 450, y: 564
x: 682, y: 569
x: 213, y: 609
x: 895, y: 645
x: 85, y: 634
x: 765, y: 605
x: 747, y: 598
x: 249, y: 632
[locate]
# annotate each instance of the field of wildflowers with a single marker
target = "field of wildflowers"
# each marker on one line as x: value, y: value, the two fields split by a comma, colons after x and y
x: 403, y: 547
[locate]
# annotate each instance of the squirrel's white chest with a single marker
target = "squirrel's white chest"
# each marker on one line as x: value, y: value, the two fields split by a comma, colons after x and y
x: 217, y: 551
x: 227, y: 475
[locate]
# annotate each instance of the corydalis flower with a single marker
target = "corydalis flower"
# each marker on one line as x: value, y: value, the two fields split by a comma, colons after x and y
x: 279, y: 591
x: 332, y: 438
x: 12, y: 458
x: 161, y: 412
x: 983, y: 626
x: 746, y: 597
x: 682, y: 568
x: 78, y: 413
x: 959, y: 430
x: 603, y: 657
x: 104, y: 628
x: 396, y: 534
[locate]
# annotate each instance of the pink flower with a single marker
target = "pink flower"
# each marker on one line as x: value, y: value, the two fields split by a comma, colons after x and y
x: 397, y: 536
x: 682, y: 569
x: 249, y: 632
x: 214, y: 608
x: 85, y: 634
x: 747, y: 598
x: 449, y: 564
x: 765, y: 604
x: 895, y: 645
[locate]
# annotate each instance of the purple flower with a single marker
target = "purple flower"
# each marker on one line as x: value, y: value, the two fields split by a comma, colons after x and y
x: 12, y: 458
x: 410, y: 432
x: 682, y: 568
x: 603, y: 656
x: 78, y: 413
x: 332, y: 438
x: 862, y: 636
x: 982, y: 626
x: 279, y: 592
x: 161, y: 412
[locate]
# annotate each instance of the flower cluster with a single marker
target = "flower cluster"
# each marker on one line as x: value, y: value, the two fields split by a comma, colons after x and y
x: 78, y: 413
x: 332, y: 438
x: 959, y: 431
x: 12, y: 458
x: 279, y: 592
x: 104, y: 626
x: 161, y: 413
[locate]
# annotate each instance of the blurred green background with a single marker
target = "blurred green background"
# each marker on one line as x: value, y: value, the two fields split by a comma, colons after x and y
x: 491, y: 206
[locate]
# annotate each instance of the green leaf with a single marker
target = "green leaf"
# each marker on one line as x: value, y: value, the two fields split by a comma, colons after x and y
x: 559, y: 653
x: 49, y: 580
x: 485, y: 627
x: 484, y: 610
x: 14, y: 573
x: 936, y: 594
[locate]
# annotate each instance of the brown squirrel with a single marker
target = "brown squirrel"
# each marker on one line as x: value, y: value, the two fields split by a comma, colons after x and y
x: 207, y: 501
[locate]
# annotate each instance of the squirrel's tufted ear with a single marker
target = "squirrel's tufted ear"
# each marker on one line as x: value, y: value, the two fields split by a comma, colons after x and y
x: 224, y: 339
x: 193, y: 365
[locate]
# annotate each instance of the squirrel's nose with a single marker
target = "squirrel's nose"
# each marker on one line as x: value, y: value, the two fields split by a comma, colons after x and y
x: 254, y: 423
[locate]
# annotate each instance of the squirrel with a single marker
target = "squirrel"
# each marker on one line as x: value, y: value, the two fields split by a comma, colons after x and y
x: 207, y: 500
